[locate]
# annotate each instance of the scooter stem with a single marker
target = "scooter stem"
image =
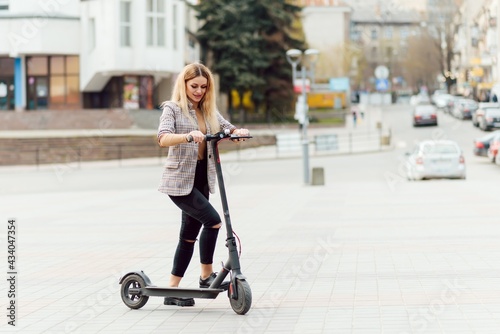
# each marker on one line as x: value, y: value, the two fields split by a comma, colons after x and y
x: 233, y: 262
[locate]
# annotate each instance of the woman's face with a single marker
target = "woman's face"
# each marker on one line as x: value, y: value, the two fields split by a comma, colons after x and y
x: 196, y: 88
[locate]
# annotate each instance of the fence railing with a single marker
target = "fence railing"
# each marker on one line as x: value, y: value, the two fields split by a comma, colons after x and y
x: 350, y: 142
x: 284, y: 145
x: 41, y: 155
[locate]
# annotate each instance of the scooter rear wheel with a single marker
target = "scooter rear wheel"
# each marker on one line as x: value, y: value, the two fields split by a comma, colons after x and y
x: 242, y: 304
x: 133, y: 300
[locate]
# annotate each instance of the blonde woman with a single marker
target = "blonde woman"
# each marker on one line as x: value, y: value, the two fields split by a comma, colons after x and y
x: 189, y: 174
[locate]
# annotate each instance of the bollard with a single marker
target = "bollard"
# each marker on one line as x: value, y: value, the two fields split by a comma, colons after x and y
x: 318, y: 176
x: 385, y: 140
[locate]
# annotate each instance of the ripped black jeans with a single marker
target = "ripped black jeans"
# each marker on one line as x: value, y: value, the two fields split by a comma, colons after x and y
x: 197, y: 212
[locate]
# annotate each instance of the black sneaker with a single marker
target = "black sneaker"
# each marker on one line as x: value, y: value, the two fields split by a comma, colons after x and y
x: 205, y: 283
x: 178, y: 301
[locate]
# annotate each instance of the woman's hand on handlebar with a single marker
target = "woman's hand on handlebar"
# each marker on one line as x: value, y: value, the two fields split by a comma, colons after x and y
x: 198, y: 136
x: 241, y: 133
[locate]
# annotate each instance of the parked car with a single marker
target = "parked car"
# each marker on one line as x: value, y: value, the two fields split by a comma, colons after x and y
x: 482, y: 144
x: 480, y: 111
x: 435, y: 159
x: 450, y: 105
x: 441, y: 101
x: 497, y: 159
x: 420, y: 98
x: 489, y: 119
x: 424, y: 114
x: 437, y: 94
x: 494, y: 148
x: 464, y: 108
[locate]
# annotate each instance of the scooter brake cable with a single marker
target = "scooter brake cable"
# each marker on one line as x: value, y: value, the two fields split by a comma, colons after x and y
x: 239, y: 243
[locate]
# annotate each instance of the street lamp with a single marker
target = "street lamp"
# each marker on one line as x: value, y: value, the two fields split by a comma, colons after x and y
x: 308, y: 57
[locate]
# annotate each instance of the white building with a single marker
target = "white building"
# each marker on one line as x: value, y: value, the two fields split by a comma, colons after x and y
x: 71, y: 54
x: 477, y: 51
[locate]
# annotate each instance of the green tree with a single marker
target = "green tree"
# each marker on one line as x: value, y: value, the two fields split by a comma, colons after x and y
x: 245, y: 43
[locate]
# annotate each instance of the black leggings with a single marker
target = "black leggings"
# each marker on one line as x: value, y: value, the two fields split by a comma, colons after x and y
x: 196, y: 212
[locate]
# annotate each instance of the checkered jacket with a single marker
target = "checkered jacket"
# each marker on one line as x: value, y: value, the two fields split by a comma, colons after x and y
x: 180, y: 168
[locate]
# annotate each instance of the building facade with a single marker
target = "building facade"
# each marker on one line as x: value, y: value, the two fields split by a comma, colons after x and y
x: 382, y: 32
x: 477, y: 52
x: 67, y: 54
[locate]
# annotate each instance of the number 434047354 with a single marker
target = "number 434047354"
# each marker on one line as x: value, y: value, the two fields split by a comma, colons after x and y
x: 11, y: 246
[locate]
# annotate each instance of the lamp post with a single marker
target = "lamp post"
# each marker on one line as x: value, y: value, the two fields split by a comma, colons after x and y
x: 308, y: 57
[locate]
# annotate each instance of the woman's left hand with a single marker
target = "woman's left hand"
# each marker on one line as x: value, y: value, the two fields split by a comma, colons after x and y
x: 242, y: 133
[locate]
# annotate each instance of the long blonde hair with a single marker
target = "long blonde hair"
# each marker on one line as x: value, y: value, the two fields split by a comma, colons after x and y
x: 207, y: 104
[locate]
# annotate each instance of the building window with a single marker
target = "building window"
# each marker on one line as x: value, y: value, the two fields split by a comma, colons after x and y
x: 37, y: 66
x: 53, y: 82
x: 374, y: 34
x: 91, y: 34
x: 388, y: 32
x: 355, y: 34
x: 64, y: 86
x: 404, y: 33
x: 156, y: 22
x: 125, y: 23
x: 4, y: 4
x: 174, y: 26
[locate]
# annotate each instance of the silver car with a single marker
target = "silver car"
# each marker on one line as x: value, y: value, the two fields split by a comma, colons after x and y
x: 435, y: 159
x: 424, y: 114
x: 490, y: 119
x: 480, y: 111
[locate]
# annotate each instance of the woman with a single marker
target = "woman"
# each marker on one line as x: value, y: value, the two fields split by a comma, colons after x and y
x: 189, y: 173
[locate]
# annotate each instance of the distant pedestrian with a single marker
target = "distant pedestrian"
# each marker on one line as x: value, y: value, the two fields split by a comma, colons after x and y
x: 354, y: 117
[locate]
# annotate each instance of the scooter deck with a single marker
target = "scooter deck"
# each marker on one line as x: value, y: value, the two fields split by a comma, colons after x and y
x: 179, y: 292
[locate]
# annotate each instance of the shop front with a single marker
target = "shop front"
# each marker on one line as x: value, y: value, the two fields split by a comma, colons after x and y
x: 52, y: 82
x: 127, y: 92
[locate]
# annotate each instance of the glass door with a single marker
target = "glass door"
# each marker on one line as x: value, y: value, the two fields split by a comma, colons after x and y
x: 38, y: 93
x: 7, y: 99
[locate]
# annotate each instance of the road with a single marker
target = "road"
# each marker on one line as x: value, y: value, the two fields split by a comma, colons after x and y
x: 368, y: 252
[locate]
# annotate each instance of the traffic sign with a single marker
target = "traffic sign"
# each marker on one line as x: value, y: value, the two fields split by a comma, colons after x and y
x: 382, y: 84
x: 381, y: 72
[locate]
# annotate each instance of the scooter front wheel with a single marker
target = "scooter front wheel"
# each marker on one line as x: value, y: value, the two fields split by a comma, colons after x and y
x: 134, y: 300
x: 242, y: 304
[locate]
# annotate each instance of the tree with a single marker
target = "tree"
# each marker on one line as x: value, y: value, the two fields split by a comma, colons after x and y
x: 422, y: 63
x: 246, y: 43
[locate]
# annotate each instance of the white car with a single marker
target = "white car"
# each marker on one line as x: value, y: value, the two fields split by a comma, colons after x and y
x: 441, y: 101
x: 437, y: 93
x: 476, y: 116
x: 435, y: 159
x: 419, y: 99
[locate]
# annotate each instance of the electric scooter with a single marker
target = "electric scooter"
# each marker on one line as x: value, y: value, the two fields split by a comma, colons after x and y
x: 136, y: 287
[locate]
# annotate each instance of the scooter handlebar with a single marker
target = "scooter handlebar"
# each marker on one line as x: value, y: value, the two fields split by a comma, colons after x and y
x: 224, y: 135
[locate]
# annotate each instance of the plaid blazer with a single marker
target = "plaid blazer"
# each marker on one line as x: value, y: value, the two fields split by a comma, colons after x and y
x: 180, y: 167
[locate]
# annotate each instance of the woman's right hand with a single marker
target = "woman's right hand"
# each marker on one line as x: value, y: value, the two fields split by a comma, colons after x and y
x: 198, y: 136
